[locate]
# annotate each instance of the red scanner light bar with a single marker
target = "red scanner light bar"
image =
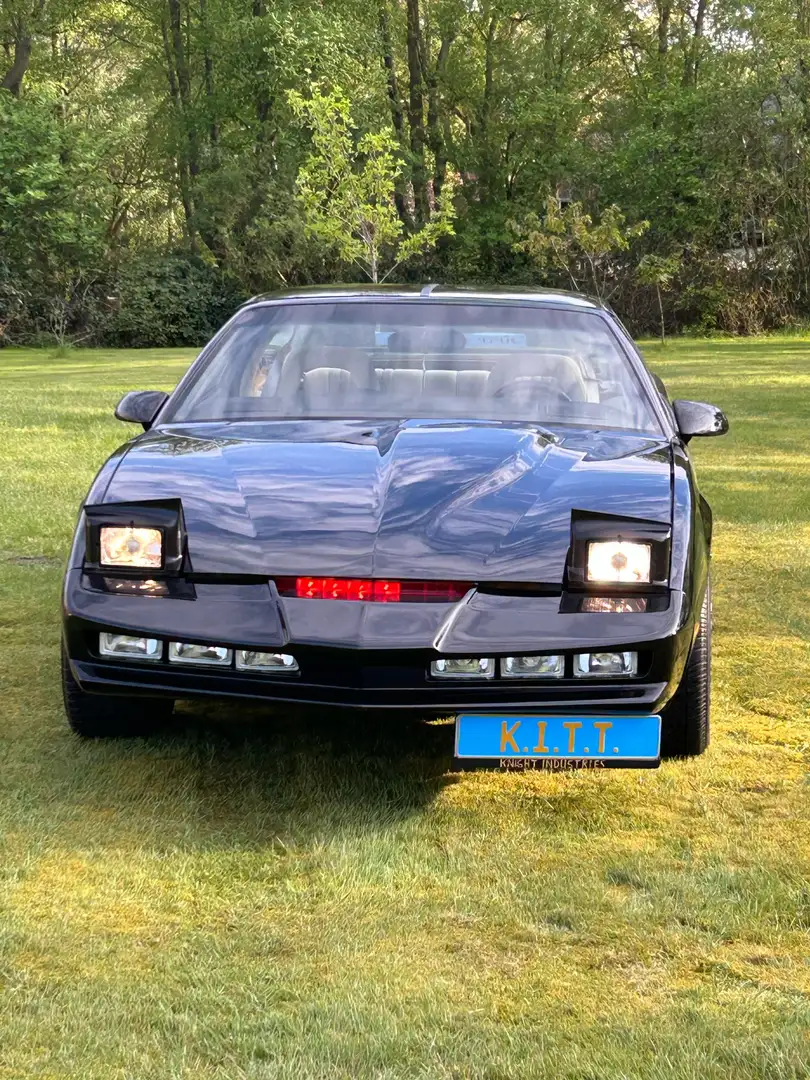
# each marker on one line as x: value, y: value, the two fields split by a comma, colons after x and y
x: 379, y: 591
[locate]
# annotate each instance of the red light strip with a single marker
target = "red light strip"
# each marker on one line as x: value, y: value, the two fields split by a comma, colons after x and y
x: 380, y: 592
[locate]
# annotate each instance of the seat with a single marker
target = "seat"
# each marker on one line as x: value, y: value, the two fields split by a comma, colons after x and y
x: 319, y: 375
x: 472, y: 383
x: 325, y: 382
x: 402, y: 383
x: 441, y: 383
x: 410, y: 384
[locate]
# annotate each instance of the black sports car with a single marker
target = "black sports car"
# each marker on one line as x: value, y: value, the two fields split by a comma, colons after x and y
x: 422, y: 501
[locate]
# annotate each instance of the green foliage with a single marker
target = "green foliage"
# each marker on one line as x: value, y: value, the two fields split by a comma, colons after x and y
x: 567, y: 239
x: 133, y: 133
x: 170, y: 300
x: 346, y: 190
x: 52, y: 200
x: 659, y: 270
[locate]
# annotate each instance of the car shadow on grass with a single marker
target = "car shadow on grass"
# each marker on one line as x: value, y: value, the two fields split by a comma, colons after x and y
x: 229, y: 776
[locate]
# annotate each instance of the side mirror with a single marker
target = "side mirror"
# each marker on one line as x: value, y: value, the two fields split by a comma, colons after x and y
x: 141, y: 406
x: 698, y: 418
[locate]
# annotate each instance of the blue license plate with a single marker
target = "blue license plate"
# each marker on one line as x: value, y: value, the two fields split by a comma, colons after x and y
x: 583, y: 739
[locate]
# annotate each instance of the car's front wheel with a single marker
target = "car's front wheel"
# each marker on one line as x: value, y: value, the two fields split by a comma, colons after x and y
x: 97, y: 716
x: 685, y: 720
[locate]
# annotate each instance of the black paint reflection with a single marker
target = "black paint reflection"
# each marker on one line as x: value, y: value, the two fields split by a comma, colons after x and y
x: 407, y: 499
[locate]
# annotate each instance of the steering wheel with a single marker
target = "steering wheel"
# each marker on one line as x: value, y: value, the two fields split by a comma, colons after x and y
x: 522, y: 383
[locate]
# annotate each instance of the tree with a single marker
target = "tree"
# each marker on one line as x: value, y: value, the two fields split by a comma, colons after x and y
x: 346, y: 188
x: 569, y: 240
x: 659, y: 270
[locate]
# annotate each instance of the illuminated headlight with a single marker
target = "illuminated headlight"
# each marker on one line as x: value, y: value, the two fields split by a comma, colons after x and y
x: 618, y: 560
x: 457, y: 668
x: 600, y: 665
x: 532, y: 667
x: 123, y: 545
x: 131, y: 648
x: 277, y: 663
x: 183, y: 652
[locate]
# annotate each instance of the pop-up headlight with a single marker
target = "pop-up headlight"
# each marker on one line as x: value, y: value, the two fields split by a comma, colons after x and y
x: 617, y: 552
x: 143, y: 539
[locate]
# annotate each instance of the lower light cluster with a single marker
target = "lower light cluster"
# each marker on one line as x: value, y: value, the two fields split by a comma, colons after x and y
x: 599, y: 665
x: 128, y: 647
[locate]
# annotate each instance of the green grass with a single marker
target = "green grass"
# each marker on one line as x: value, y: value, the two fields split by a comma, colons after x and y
x: 312, y: 899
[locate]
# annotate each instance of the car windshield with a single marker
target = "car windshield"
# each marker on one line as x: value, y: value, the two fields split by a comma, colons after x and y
x: 421, y: 359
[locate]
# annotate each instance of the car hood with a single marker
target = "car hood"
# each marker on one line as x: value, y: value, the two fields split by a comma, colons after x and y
x: 410, y: 499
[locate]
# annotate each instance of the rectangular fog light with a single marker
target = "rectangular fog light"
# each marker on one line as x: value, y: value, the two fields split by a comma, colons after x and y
x: 452, y: 667
x: 600, y: 665
x: 277, y: 663
x: 183, y: 652
x: 532, y: 667
x: 129, y: 647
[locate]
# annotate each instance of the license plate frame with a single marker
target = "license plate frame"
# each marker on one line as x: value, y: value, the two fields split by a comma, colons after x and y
x: 556, y: 742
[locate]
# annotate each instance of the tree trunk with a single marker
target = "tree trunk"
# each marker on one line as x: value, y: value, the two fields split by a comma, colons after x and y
x: 12, y: 80
x: 183, y: 176
x: 213, y: 126
x: 486, y: 157
x: 435, y: 132
x: 183, y: 82
x: 395, y: 102
x: 416, y: 113
x: 264, y: 162
x: 264, y: 101
x: 692, y: 58
x: 664, y: 15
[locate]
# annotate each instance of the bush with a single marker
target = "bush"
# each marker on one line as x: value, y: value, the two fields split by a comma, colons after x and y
x: 167, y: 300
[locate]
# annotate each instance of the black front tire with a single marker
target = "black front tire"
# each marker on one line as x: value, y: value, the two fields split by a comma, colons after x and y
x: 685, y: 719
x: 100, y: 716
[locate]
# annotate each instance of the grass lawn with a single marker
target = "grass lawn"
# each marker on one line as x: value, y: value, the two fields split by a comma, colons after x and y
x: 261, y: 900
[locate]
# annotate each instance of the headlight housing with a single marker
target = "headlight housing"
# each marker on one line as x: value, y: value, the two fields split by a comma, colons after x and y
x: 123, y: 545
x: 618, y: 555
x: 136, y: 540
x: 619, y: 561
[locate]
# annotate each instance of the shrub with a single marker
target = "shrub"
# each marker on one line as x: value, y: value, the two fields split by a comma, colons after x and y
x: 167, y: 300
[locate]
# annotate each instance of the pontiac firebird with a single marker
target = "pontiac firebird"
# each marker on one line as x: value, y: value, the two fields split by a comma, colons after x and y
x: 428, y: 502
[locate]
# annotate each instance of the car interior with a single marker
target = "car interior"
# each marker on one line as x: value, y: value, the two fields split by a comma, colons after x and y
x: 382, y: 368
x: 415, y: 366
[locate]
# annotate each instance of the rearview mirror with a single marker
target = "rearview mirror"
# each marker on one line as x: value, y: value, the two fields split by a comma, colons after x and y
x: 698, y: 418
x: 141, y: 406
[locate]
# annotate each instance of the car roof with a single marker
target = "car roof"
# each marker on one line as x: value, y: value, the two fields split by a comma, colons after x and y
x: 545, y: 297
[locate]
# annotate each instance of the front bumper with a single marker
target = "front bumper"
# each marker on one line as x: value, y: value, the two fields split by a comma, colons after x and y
x: 375, y: 656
